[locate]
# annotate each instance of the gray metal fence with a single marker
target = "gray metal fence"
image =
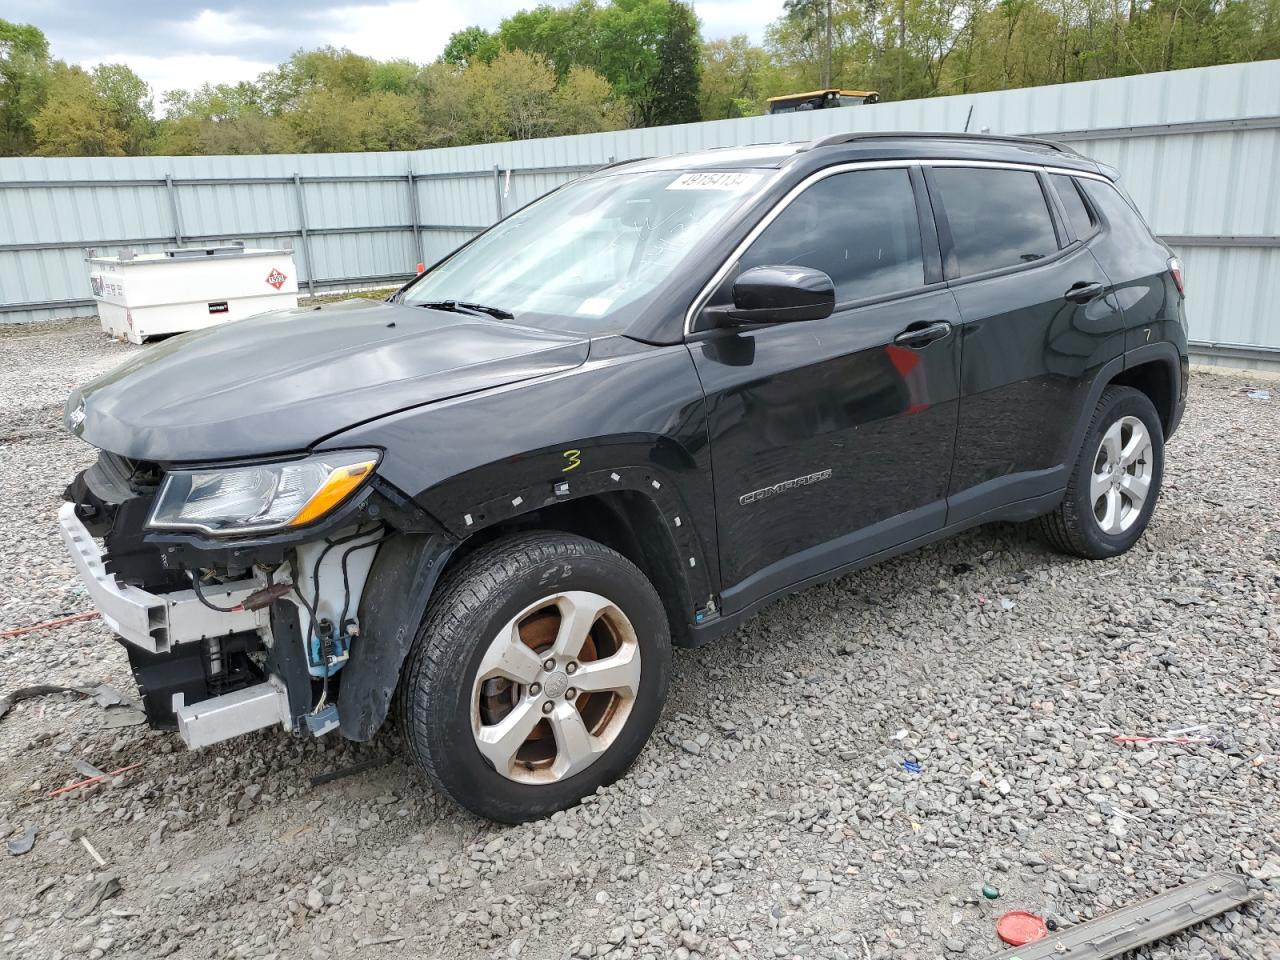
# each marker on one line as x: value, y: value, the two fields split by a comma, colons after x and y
x: 1198, y: 149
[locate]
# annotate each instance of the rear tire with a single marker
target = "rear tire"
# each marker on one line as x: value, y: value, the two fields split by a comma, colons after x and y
x: 489, y: 722
x: 1114, y: 486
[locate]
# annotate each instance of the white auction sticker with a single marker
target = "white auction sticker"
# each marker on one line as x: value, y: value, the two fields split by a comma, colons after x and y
x: 735, y: 180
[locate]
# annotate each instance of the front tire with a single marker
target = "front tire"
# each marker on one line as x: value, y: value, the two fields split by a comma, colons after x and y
x: 537, y: 676
x: 1116, y: 481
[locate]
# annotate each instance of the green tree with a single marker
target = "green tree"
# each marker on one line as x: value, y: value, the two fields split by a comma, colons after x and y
x: 513, y: 92
x: 326, y: 121
x: 470, y: 45
x: 813, y: 23
x: 128, y: 100
x: 393, y: 121
x: 24, y: 81
x: 516, y: 96
x: 307, y: 71
x: 675, y: 95
x: 447, y: 108
x: 736, y: 79
x: 395, y: 76
x: 584, y: 102
x: 218, y: 120
x: 631, y: 34
x: 75, y: 119
x: 564, y: 36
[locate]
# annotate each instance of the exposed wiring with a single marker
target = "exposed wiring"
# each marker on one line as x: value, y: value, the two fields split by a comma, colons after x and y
x: 313, y: 608
x: 195, y: 583
x: 346, y: 583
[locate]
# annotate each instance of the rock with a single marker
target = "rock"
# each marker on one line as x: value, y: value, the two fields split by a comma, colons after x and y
x: 792, y: 833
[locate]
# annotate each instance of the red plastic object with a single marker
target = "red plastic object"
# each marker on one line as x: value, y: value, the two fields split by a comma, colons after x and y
x: 1018, y: 927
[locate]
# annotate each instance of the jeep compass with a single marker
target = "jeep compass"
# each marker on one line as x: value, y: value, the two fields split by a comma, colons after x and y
x: 625, y: 417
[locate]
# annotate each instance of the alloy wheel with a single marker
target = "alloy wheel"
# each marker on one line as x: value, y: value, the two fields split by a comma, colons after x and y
x: 555, y: 687
x: 1121, y: 479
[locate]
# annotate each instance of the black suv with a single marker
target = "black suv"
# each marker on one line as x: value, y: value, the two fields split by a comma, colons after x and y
x: 626, y: 416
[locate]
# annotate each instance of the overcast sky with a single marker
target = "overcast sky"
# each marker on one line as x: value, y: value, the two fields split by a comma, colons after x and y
x: 179, y: 44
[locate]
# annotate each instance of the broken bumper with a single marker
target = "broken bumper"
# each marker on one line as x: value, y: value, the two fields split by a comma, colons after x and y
x: 155, y: 622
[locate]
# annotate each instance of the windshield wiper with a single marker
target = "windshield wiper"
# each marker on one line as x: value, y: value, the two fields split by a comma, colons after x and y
x: 475, y: 309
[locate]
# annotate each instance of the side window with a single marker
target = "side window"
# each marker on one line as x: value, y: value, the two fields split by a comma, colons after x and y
x: 998, y: 217
x: 860, y: 228
x: 1079, y: 215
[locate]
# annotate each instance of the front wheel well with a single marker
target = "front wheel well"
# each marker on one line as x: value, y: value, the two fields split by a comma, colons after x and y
x: 1157, y: 381
x: 625, y: 521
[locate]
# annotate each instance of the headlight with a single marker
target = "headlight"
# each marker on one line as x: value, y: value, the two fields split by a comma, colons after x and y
x: 269, y: 496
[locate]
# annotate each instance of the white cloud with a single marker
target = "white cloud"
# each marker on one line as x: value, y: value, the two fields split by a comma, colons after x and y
x: 726, y: 18
x: 407, y: 29
x: 184, y: 72
x: 224, y: 29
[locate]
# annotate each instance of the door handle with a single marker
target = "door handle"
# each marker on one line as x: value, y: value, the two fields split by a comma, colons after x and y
x: 1083, y: 292
x: 922, y: 334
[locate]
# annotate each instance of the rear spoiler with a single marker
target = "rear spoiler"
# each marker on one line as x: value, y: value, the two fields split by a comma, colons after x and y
x: 1108, y: 171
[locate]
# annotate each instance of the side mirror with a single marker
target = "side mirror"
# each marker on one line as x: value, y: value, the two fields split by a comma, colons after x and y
x: 781, y: 295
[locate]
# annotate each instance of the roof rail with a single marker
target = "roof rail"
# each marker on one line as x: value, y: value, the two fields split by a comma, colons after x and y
x: 619, y: 163
x: 838, y: 138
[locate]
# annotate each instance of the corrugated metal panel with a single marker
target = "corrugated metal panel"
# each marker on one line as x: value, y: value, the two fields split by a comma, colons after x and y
x: 1216, y: 191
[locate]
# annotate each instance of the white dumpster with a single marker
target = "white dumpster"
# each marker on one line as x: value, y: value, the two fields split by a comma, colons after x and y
x: 186, y: 288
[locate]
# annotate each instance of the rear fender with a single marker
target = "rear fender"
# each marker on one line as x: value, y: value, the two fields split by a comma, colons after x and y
x: 1113, y: 371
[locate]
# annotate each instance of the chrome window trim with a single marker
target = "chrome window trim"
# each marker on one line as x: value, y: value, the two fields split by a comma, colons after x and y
x: 1013, y: 165
x: 717, y: 278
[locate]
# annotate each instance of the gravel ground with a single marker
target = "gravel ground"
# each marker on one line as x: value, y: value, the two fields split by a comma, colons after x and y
x: 771, y: 816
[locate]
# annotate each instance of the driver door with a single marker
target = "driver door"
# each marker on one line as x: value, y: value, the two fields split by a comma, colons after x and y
x: 832, y: 440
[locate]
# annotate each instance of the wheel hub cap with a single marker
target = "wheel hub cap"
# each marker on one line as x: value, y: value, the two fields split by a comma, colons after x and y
x: 556, y: 684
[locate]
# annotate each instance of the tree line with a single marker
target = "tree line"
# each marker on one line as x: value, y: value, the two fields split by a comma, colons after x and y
x: 608, y: 64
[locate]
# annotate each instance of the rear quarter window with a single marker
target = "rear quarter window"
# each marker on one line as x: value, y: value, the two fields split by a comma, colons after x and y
x: 998, y: 218
x: 1082, y: 221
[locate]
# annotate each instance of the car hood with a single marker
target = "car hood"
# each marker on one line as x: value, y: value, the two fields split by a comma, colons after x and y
x: 280, y: 382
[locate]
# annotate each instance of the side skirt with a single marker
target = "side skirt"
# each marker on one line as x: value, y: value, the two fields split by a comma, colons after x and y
x: 1018, y: 510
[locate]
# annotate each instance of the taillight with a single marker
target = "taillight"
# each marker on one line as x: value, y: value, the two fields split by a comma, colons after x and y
x: 1175, y: 271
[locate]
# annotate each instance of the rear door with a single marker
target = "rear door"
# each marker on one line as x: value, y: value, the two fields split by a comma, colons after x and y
x: 1037, y: 323
x: 831, y: 439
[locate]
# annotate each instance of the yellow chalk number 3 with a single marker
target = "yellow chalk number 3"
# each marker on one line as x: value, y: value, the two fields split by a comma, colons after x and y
x: 575, y: 460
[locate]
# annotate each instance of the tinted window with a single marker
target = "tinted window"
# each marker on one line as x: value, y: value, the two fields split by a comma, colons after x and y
x: 1077, y: 212
x: 860, y: 228
x: 998, y: 218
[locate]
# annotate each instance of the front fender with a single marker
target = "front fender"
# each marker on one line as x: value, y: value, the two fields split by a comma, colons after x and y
x: 631, y: 418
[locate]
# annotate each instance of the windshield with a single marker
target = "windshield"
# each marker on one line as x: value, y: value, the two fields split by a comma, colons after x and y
x: 587, y: 257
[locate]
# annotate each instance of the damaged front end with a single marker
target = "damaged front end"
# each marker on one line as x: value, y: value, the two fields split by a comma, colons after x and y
x: 239, y: 591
